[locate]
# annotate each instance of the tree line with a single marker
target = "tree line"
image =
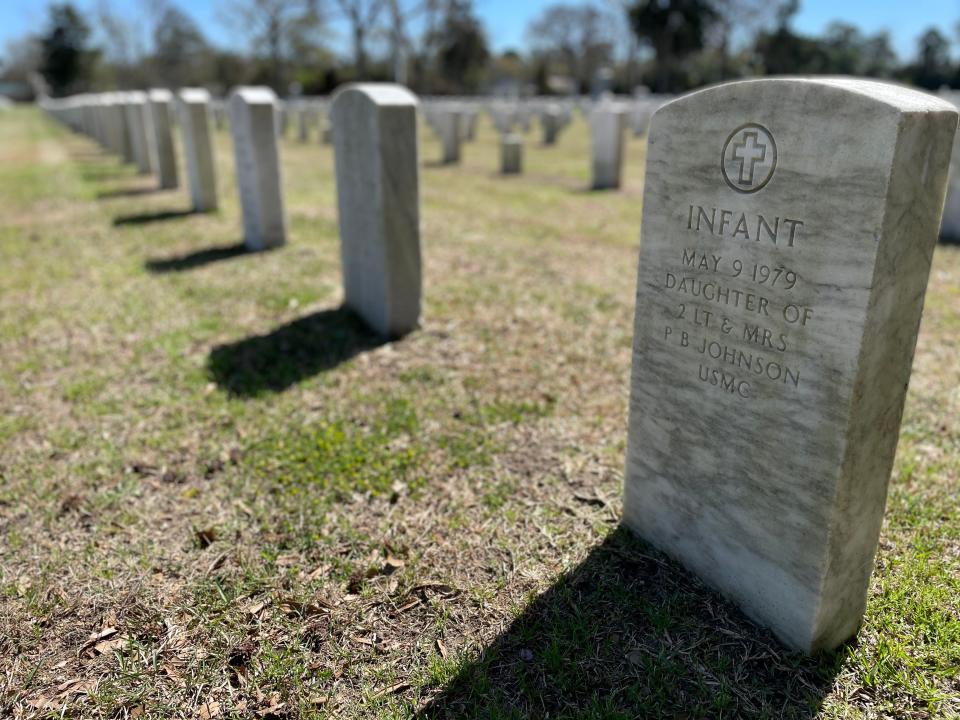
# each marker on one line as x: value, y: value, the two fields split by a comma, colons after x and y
x: 442, y: 47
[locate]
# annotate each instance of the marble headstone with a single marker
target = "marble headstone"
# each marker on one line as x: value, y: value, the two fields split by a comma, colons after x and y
x: 198, y: 148
x: 253, y: 120
x: 550, y: 121
x: 448, y: 124
x: 606, y: 134
x: 788, y: 228
x: 511, y: 154
x: 304, y: 120
x: 159, y: 102
x: 469, y: 125
x: 950, y: 228
x: 115, y: 124
x: 375, y: 148
x: 135, y: 108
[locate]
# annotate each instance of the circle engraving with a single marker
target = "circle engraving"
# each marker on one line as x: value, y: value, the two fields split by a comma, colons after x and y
x: 749, y: 158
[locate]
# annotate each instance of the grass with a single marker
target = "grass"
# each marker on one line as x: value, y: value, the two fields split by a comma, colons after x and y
x: 220, y: 496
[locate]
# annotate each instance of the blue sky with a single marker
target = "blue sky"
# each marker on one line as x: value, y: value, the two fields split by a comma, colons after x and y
x: 506, y: 20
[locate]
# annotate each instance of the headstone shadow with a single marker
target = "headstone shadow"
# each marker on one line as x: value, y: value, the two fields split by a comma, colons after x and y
x: 630, y: 634
x: 86, y: 154
x: 128, y: 192
x: 101, y: 172
x: 591, y: 190
x: 291, y: 353
x: 151, y: 217
x: 198, y: 258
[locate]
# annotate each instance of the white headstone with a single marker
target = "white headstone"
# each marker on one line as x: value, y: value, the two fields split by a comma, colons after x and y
x: 511, y: 154
x: 950, y: 228
x: 198, y: 147
x: 159, y: 102
x: 115, y: 125
x: 448, y: 122
x: 550, y: 121
x: 135, y: 107
x: 375, y: 146
x: 253, y: 125
x: 469, y: 123
x: 304, y: 120
x: 606, y: 133
x: 788, y: 228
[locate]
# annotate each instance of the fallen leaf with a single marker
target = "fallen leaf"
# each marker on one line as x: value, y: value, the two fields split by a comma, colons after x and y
x: 209, y: 709
x: 442, y: 648
x: 392, y: 564
x: 319, y: 572
x: 273, y: 707
x: 291, y: 607
x: 76, y: 686
x: 255, y: 608
x: 96, y: 638
x: 174, y: 674
x: 41, y: 703
x: 105, y: 646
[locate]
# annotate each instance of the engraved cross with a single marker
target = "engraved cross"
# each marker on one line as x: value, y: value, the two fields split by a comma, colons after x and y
x: 749, y: 153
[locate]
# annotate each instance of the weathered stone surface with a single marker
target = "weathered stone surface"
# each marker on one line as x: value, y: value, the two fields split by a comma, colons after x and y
x: 511, y: 155
x: 375, y: 146
x: 253, y: 125
x: 198, y: 148
x: 606, y: 134
x: 159, y: 103
x: 788, y: 227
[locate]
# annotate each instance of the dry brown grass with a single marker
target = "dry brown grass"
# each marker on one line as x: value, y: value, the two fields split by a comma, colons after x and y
x: 219, y: 496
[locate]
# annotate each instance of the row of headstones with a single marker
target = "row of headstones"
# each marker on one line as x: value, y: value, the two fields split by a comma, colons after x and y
x: 310, y: 115
x: 138, y: 127
x: 507, y: 116
x: 455, y: 122
x: 375, y: 140
x: 787, y: 236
